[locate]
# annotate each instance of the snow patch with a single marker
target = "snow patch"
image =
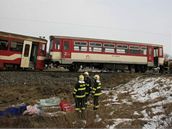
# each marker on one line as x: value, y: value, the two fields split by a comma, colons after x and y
x: 105, y: 92
x: 98, y: 119
x: 117, y: 122
x: 158, y: 109
x: 111, y: 113
x: 156, y: 91
x: 145, y: 114
x: 136, y: 113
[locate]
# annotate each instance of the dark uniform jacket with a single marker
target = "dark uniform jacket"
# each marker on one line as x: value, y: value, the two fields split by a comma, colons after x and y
x: 97, y: 88
x: 88, y: 83
x: 79, y: 90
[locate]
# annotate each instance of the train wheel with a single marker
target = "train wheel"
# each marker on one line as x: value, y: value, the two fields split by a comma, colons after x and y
x: 136, y: 68
x: 143, y: 69
x: 74, y: 68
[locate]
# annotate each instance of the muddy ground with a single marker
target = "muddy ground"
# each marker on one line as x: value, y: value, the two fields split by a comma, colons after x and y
x: 27, y: 87
x: 18, y: 87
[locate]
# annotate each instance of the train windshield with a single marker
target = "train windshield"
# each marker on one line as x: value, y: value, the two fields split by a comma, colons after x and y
x: 3, y: 45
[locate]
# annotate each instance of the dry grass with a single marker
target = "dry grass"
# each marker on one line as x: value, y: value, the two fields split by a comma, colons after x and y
x: 18, y: 94
x: 132, y: 124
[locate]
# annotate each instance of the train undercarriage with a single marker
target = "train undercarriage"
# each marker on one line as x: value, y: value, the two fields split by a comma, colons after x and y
x: 103, y: 67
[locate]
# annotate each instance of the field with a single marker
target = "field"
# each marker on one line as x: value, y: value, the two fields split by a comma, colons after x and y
x: 128, y: 100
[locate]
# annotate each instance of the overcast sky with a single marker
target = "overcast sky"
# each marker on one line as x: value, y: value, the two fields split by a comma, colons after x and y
x: 130, y: 20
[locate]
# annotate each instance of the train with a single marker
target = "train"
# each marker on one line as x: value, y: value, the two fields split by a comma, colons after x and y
x: 74, y: 53
x: 21, y: 52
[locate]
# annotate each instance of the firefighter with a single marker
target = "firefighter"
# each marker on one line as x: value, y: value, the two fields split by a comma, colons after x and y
x: 96, y: 91
x: 88, y: 83
x: 79, y: 94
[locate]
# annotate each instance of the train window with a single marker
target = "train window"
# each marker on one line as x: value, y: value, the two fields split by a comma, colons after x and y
x: 83, y: 44
x: 26, y: 50
x: 51, y: 45
x: 109, y: 50
x: 57, y: 44
x: 66, y: 45
x: 3, y: 45
x: 95, y: 47
x: 155, y: 52
x: 108, y: 45
x: 143, y: 50
x: 80, y: 46
x: 134, y: 50
x: 150, y: 51
x: 43, y: 49
x: 83, y: 48
x: 95, y: 44
x: 16, y: 46
x: 160, y: 52
x: 134, y: 47
x: 80, y: 43
x: 76, y: 48
x: 122, y: 49
x: 122, y: 46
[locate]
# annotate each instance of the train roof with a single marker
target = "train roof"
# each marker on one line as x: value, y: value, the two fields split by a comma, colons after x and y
x: 22, y: 37
x: 104, y: 40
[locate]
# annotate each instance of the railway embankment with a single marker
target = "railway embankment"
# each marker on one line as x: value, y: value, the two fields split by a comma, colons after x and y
x: 128, y: 100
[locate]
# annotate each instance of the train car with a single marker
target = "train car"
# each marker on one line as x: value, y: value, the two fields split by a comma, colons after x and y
x: 20, y: 51
x: 76, y: 52
x: 167, y: 65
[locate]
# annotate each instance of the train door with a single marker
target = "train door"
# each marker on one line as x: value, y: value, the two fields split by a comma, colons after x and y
x: 25, y: 60
x: 150, y: 56
x: 66, y: 48
x: 33, y: 55
x: 156, y: 57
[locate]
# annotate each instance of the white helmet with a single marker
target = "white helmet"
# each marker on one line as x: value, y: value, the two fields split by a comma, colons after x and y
x: 81, y: 78
x: 86, y: 73
x: 97, y: 77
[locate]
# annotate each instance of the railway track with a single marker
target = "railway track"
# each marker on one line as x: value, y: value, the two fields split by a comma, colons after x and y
x: 80, y: 72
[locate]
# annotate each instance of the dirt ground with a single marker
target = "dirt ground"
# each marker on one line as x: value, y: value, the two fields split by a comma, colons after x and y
x: 27, y: 87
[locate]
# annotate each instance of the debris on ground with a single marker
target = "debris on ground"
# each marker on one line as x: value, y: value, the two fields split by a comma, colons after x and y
x: 53, y: 101
x: 128, y: 100
x: 33, y: 110
x: 13, y: 110
x: 66, y: 106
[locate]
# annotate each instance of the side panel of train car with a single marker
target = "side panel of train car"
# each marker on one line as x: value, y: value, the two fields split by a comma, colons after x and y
x: 76, y: 52
x: 19, y: 51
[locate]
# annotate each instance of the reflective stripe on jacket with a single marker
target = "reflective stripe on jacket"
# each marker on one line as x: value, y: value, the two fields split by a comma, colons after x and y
x: 97, y: 88
x: 79, y: 90
x: 88, y: 83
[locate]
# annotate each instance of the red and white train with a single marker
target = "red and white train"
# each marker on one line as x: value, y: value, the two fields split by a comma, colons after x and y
x: 76, y: 52
x: 19, y: 51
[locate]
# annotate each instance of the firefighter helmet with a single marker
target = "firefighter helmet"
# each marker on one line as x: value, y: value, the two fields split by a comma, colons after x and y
x: 86, y: 73
x: 81, y: 78
x: 97, y: 77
